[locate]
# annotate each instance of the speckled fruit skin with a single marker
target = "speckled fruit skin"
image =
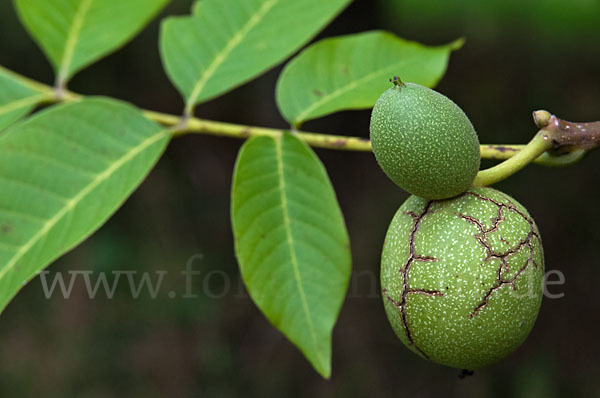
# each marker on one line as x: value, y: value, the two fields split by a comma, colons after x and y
x: 424, y: 142
x: 462, y: 278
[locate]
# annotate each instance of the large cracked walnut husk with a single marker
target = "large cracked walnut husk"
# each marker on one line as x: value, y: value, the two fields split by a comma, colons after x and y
x: 462, y: 278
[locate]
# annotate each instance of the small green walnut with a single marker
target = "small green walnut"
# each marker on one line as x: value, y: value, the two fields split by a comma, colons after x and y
x: 424, y: 142
x: 462, y: 278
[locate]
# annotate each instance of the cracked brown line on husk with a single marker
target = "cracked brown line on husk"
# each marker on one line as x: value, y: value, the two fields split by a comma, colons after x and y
x: 482, y: 236
x: 406, y: 290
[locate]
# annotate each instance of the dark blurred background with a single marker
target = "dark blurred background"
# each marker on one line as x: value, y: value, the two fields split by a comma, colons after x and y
x: 519, y: 56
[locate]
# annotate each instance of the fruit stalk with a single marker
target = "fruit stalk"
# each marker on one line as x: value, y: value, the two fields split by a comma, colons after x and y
x: 557, y: 141
x: 536, y: 147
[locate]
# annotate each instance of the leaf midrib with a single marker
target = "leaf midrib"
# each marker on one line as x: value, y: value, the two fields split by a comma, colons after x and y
x: 72, y: 39
x: 71, y: 204
x: 290, y: 241
x: 348, y: 87
x: 229, y: 47
x: 24, y: 81
x: 22, y: 102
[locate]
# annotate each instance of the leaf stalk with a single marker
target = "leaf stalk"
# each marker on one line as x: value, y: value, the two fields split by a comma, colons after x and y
x: 564, y: 144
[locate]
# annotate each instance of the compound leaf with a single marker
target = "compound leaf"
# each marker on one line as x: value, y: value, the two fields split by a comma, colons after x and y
x: 351, y: 72
x: 75, y: 33
x: 225, y: 43
x: 63, y: 172
x: 17, y: 97
x: 291, y: 242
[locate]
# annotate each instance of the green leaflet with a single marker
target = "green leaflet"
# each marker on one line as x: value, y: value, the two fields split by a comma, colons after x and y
x: 17, y: 98
x: 63, y: 172
x: 351, y: 72
x: 225, y: 43
x: 75, y: 33
x: 291, y: 241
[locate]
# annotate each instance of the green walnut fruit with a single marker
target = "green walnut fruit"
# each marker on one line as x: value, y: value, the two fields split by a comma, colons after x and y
x: 424, y: 142
x: 462, y: 278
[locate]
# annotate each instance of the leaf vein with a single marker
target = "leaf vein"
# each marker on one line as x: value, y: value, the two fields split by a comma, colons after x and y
x: 349, y: 87
x: 23, y: 215
x: 72, y: 39
x: 229, y: 47
x: 290, y: 240
x: 71, y: 204
x: 22, y: 103
x: 40, y: 190
x: 63, y: 164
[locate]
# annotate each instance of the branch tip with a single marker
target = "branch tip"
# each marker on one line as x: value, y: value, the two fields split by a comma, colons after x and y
x: 542, y: 118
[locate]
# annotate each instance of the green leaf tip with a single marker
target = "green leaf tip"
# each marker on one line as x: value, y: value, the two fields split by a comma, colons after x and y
x: 457, y: 44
